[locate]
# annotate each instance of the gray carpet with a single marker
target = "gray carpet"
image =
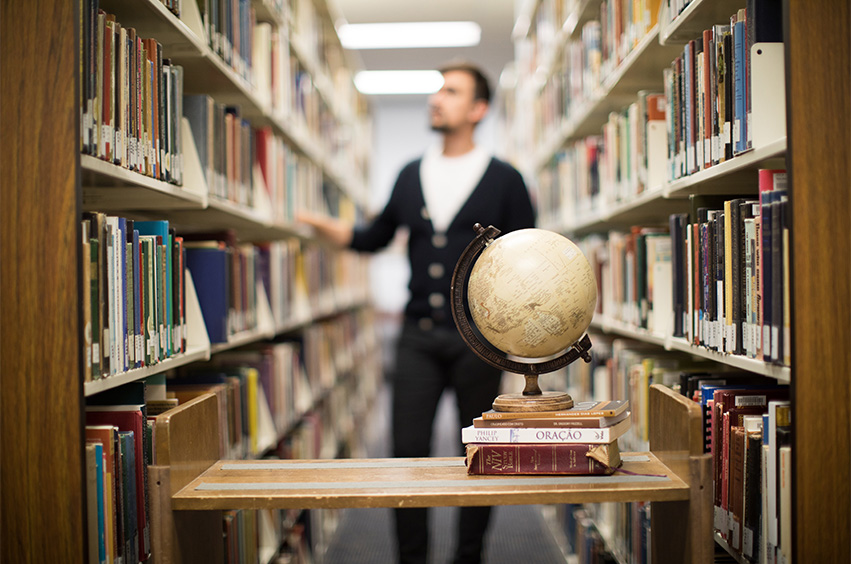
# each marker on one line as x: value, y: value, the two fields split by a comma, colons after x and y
x: 517, y: 533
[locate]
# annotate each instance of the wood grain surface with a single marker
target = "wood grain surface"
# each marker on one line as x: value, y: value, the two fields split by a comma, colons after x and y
x: 411, y: 482
x: 41, y: 388
x: 819, y: 122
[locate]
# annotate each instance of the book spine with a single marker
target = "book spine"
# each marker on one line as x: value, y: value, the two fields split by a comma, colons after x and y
x: 536, y: 435
x: 750, y: 532
x: 708, y: 50
x: 740, y: 123
x: 569, y: 422
x: 506, y: 415
x: 532, y: 459
x: 736, y: 486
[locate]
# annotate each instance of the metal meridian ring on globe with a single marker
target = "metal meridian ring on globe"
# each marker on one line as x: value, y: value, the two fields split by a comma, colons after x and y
x: 456, y: 291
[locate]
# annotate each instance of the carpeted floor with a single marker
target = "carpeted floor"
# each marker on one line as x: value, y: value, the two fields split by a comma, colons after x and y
x: 364, y: 536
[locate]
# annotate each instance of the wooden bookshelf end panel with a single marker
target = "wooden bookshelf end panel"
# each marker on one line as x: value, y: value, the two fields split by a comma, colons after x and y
x: 676, y: 430
x: 187, y: 439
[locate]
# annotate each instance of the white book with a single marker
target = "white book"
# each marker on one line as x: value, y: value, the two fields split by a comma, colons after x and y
x: 785, y: 503
x: 502, y: 435
x: 773, y: 472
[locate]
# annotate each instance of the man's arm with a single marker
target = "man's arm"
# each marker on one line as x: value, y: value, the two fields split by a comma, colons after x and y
x: 334, y: 231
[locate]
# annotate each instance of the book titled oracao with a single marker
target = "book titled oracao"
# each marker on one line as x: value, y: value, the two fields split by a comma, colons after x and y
x: 602, y: 435
x: 542, y: 459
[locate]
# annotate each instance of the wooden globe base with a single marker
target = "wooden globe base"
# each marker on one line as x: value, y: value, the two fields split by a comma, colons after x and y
x: 546, y: 401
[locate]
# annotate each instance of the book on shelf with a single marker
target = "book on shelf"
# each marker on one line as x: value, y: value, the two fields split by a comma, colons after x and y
x: 736, y: 486
x: 605, y: 408
x: 209, y: 266
x: 729, y: 273
x: 542, y: 459
x: 729, y: 407
x: 137, y: 292
x: 95, y: 502
x: 603, y: 435
x: 708, y: 89
x: 130, y: 101
x: 129, y: 419
x: 784, y: 478
x: 107, y: 437
x: 778, y: 423
x: 751, y: 511
x: 555, y: 422
x: 679, y: 287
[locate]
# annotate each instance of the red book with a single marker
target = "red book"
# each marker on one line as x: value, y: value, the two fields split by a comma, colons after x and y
x: 106, y: 435
x: 726, y: 400
x: 736, y: 499
x: 525, y: 458
x: 154, y: 132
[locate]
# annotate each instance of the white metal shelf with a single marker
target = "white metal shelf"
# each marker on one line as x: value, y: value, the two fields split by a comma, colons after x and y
x: 107, y: 186
x: 668, y: 342
x: 697, y: 16
x: 738, y: 173
x: 108, y: 382
x: 737, y: 176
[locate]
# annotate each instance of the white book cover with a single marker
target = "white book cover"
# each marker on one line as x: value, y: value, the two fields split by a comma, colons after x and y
x: 503, y: 435
x: 771, y: 492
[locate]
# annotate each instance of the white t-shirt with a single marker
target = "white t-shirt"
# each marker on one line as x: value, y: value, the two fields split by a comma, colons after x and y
x: 448, y: 182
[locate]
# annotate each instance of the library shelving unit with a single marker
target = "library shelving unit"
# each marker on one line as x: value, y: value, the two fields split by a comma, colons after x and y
x: 41, y: 361
x: 795, y: 90
x: 49, y: 183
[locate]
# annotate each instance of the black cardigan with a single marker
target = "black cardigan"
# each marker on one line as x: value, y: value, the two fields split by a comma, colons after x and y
x: 500, y: 199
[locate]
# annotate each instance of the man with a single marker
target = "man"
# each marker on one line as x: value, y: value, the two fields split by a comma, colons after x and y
x: 439, y: 198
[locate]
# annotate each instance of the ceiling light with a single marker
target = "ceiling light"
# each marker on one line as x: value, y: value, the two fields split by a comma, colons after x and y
x: 407, y: 35
x: 399, y: 82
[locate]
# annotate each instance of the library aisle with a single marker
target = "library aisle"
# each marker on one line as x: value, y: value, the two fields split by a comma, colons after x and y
x: 518, y: 533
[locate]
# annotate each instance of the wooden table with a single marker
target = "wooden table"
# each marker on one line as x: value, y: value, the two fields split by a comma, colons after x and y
x: 189, y: 485
x: 413, y: 482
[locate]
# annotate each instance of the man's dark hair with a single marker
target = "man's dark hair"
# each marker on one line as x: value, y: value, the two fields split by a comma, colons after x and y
x: 483, y: 89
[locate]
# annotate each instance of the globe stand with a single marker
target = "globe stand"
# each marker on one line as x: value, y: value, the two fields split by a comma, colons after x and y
x: 532, y: 398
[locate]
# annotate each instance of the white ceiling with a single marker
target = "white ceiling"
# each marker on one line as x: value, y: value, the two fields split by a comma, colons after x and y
x: 496, y: 18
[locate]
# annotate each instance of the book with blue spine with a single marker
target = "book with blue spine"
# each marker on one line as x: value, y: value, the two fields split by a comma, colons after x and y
x: 209, y: 268
x: 96, y: 513
x: 160, y: 228
x: 740, y: 131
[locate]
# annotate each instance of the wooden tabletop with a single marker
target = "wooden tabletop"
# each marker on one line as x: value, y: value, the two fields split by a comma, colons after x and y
x: 413, y: 482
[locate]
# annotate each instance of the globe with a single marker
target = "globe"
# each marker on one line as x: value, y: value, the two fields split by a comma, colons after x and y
x: 532, y: 293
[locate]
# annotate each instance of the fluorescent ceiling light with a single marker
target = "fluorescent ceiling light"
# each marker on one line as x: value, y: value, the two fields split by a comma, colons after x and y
x: 407, y: 35
x: 399, y: 82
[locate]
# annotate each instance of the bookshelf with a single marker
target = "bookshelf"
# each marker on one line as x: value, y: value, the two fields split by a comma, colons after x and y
x: 40, y: 317
x: 549, y: 110
x: 47, y: 186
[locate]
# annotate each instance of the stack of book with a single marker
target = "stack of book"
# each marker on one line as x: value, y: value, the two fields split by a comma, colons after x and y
x: 580, y: 440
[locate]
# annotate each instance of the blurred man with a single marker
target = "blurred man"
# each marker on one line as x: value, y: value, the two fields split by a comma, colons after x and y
x: 439, y: 198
